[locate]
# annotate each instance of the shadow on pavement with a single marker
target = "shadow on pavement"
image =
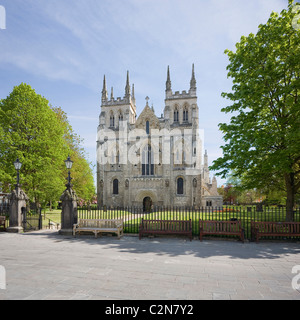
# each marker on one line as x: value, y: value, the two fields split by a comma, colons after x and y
x: 180, y: 246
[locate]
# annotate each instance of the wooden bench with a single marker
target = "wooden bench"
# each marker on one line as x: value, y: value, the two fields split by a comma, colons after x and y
x: 99, y: 226
x: 274, y: 229
x: 178, y: 227
x: 2, y: 222
x: 226, y: 228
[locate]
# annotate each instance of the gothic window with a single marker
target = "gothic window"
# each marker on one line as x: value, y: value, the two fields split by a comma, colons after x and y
x: 112, y: 121
x: 147, y: 161
x: 185, y: 115
x: 179, y: 186
x: 147, y: 127
x: 176, y: 115
x: 120, y: 117
x: 209, y: 203
x: 116, y: 186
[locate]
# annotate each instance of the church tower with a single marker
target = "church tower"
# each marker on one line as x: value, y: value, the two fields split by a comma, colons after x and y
x: 181, y: 107
x: 181, y: 116
x: 113, y: 111
x: 182, y: 112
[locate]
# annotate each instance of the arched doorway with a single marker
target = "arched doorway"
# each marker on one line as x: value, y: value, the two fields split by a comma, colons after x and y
x: 147, y: 204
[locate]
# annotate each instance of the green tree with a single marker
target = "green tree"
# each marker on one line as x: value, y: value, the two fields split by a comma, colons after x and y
x: 82, y: 175
x: 262, y: 138
x: 42, y: 138
x: 230, y: 194
x: 31, y: 131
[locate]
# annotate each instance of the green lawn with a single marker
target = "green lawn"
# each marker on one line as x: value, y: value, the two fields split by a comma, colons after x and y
x: 54, y: 216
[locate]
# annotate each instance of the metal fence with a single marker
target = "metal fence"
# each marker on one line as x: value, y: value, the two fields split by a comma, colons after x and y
x: 4, y: 210
x: 31, y: 218
x: 132, y: 216
x: 4, y: 207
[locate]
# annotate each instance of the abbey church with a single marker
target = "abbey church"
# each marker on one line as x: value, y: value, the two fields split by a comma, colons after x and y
x: 144, y: 160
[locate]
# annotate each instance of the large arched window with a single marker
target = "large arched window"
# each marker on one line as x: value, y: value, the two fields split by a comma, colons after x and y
x: 116, y: 186
x: 147, y: 161
x: 179, y: 186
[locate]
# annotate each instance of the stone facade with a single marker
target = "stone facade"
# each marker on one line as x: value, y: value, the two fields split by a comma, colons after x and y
x: 149, y: 160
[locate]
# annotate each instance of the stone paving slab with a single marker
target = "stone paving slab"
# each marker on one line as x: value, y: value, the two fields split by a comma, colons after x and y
x: 46, y: 266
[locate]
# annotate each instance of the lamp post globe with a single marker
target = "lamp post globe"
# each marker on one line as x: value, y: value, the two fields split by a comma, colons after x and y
x: 69, y: 164
x: 18, y: 165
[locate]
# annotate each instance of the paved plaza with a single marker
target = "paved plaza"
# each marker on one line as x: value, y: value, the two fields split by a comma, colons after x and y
x: 45, y: 265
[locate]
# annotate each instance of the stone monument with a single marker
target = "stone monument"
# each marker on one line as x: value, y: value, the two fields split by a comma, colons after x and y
x: 69, y: 215
x: 18, y: 200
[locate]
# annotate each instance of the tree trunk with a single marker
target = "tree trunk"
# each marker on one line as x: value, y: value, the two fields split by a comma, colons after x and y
x: 290, y: 199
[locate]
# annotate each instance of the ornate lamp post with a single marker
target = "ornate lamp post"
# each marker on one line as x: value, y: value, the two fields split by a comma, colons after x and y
x: 69, y: 204
x: 18, y: 166
x: 69, y: 164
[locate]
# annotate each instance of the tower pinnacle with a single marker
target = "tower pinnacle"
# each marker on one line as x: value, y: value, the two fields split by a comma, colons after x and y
x: 104, y: 91
x: 112, y: 94
x: 168, y: 83
x: 133, y: 95
x: 193, y: 86
x: 127, y: 88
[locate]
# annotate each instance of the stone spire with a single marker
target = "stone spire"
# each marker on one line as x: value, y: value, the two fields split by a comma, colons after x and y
x: 193, y: 86
x: 206, y: 159
x: 168, y: 84
x: 112, y: 94
x: 104, y: 91
x: 133, y: 96
x: 127, y: 88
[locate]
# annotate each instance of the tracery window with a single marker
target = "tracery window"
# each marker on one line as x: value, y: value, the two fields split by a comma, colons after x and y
x: 176, y: 115
x: 185, y: 115
x: 112, y: 121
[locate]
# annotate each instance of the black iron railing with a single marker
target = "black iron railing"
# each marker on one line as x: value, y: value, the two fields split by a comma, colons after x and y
x: 132, y: 216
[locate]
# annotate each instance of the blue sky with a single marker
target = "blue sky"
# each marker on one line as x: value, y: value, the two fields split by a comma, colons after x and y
x: 62, y: 48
